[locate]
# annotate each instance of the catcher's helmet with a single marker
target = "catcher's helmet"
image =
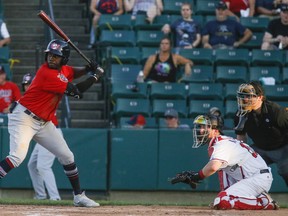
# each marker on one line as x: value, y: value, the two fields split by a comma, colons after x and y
x: 27, y: 79
x: 202, y: 126
x: 60, y: 48
x: 246, y: 95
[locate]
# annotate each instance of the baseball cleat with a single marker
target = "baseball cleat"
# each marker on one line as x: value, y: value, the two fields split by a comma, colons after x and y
x: 272, y: 205
x: 81, y: 200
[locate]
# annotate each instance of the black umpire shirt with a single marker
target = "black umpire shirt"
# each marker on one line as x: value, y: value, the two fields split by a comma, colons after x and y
x: 269, y: 129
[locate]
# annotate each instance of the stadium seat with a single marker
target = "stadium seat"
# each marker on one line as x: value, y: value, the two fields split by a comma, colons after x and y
x: 212, y: 91
x: 129, y: 106
x: 129, y: 90
x: 283, y: 104
x: 4, y: 54
x: 112, y: 22
x: 228, y: 123
x: 255, y: 24
x: 232, y: 57
x: 151, y: 122
x: 149, y: 38
x: 231, y: 74
x: 124, y: 73
x: 205, y: 7
x: 159, y: 21
x: 231, y: 108
x: 201, y: 74
x: 255, y: 41
x: 187, y: 121
x: 285, y: 75
x: 167, y: 91
x: 230, y: 90
x: 126, y: 55
x: 276, y: 92
x: 256, y: 72
x: 3, y: 119
x: 174, y: 6
x: 200, y: 107
x: 118, y: 37
x: 198, y: 55
x: 159, y: 107
x: 146, y: 52
x: 267, y: 57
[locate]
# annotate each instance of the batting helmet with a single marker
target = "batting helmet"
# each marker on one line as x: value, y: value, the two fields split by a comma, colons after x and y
x: 27, y: 79
x: 202, y: 126
x: 59, y: 48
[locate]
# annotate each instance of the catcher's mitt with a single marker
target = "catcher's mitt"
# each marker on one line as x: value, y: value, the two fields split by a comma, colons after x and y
x: 188, y: 177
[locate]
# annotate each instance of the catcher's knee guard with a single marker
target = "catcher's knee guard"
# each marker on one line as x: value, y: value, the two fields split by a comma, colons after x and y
x: 223, y: 201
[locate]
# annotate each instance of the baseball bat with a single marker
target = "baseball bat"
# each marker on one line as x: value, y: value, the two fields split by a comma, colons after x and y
x: 59, y: 31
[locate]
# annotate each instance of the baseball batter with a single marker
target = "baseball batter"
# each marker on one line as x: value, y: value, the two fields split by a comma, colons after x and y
x: 32, y: 115
x: 247, y: 179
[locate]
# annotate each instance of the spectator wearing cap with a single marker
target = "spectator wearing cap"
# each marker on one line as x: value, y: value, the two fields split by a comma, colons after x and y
x: 4, y: 34
x: 9, y: 92
x: 137, y: 121
x: 172, y: 120
x: 224, y: 33
x: 276, y: 35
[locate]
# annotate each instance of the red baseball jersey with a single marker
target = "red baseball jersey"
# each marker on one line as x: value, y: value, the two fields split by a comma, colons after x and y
x: 46, y: 91
x: 9, y: 92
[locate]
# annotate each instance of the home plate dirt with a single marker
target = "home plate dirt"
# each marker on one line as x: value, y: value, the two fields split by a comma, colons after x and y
x: 24, y: 210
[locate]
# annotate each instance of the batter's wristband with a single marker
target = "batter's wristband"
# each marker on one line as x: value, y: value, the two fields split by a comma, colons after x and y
x: 201, y: 174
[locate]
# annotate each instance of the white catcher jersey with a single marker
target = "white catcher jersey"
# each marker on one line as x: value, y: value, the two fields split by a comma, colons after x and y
x: 239, y: 159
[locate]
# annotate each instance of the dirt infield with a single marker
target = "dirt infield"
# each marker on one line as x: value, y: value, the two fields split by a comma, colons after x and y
x: 24, y: 210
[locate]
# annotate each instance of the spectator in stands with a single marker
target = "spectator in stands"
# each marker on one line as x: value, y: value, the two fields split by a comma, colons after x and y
x: 172, y: 120
x: 276, y: 35
x: 268, y: 8
x: 240, y: 8
x: 5, y: 36
x: 186, y: 30
x: 137, y: 121
x: 224, y: 33
x: 9, y: 92
x: 150, y: 8
x: 98, y: 7
x: 163, y: 67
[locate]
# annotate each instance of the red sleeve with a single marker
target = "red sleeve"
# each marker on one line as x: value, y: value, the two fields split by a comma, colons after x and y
x: 16, y: 92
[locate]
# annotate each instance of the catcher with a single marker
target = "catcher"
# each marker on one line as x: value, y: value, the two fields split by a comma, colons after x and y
x: 248, y: 178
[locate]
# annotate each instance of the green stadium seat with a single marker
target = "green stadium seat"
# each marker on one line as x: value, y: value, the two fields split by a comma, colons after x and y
x: 167, y: 91
x: 118, y: 37
x: 276, y: 92
x: 198, y: 55
x: 205, y: 7
x: 151, y: 122
x: 200, y: 107
x: 267, y: 57
x: 112, y: 22
x: 146, y: 52
x: 159, y: 21
x: 255, y: 24
x: 149, y: 38
x: 126, y: 55
x: 285, y: 75
x: 231, y: 108
x: 283, y: 104
x: 228, y: 123
x: 230, y: 90
x: 255, y: 41
x: 3, y: 119
x: 231, y: 74
x: 256, y: 72
x: 129, y: 106
x: 159, y: 107
x: 200, y: 74
x: 4, y: 54
x: 174, y: 6
x: 129, y: 90
x: 213, y: 91
x: 231, y: 57
x: 124, y: 73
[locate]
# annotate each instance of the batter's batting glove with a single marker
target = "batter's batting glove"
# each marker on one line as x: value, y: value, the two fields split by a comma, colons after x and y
x: 191, y: 178
x: 97, y: 71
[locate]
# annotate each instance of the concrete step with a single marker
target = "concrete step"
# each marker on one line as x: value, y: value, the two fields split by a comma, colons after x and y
x: 23, y: 22
x: 86, y: 105
x: 79, y: 123
x: 86, y: 115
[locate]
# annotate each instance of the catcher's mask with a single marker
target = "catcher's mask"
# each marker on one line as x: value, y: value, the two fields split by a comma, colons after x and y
x: 59, y: 48
x: 202, y: 126
x: 247, y: 94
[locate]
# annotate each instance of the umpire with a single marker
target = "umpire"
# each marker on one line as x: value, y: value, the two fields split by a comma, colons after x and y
x: 266, y: 123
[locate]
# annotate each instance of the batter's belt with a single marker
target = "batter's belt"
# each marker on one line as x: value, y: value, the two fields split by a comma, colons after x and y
x: 28, y: 112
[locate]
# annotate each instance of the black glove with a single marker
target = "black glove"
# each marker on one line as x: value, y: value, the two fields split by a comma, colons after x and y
x: 188, y: 177
x: 97, y: 71
x: 73, y: 91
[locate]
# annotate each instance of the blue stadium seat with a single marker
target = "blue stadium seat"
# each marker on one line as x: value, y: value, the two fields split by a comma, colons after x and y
x: 267, y: 57
x: 129, y: 90
x: 200, y: 107
x: 159, y: 107
x: 129, y: 106
x: 205, y: 7
x: 118, y: 37
x: 174, y: 6
x: 231, y: 74
x: 232, y: 57
x: 213, y: 91
x: 149, y: 38
x: 167, y: 91
x: 276, y: 92
x: 255, y: 41
x: 124, y: 73
x: 113, y: 22
x: 255, y: 24
x: 146, y: 52
x: 231, y: 108
x: 3, y: 119
x: 228, y: 123
x: 198, y: 55
x: 256, y: 72
x: 200, y: 74
x: 230, y: 90
x: 126, y: 55
x: 285, y: 75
